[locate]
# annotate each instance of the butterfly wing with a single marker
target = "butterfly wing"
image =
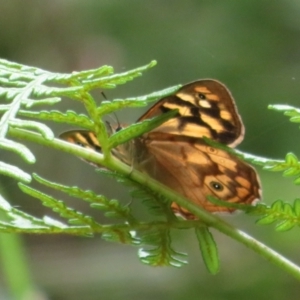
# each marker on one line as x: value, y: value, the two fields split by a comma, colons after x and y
x: 205, y: 108
x: 196, y: 170
x: 175, y: 154
x: 87, y: 139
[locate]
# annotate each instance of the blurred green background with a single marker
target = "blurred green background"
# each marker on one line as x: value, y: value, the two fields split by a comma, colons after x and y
x: 251, y: 46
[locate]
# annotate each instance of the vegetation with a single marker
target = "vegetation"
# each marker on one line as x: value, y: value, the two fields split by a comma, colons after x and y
x: 26, y: 88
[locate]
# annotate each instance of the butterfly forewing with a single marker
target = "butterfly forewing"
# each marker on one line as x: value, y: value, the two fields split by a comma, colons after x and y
x: 205, y: 108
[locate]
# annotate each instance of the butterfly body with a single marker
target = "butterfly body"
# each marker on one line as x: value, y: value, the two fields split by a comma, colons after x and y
x: 176, y: 154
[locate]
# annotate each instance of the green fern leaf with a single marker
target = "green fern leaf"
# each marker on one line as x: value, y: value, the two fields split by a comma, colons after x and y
x: 162, y: 254
x: 208, y: 249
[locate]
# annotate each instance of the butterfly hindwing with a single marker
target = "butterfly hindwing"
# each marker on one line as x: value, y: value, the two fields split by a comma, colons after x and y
x: 197, y: 170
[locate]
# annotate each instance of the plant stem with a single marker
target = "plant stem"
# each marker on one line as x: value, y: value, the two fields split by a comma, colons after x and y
x: 15, y: 266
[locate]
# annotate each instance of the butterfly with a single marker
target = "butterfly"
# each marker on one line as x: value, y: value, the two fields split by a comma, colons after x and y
x: 175, y: 153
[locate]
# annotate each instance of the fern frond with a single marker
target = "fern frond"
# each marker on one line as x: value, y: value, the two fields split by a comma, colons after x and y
x: 112, y: 207
x: 19, y: 221
x: 99, y: 81
x: 69, y: 117
x: 156, y: 204
x: 286, y: 215
x: 137, y: 129
x: 290, y: 167
x: 162, y: 253
x: 289, y: 111
x: 121, y: 236
x: 108, y: 107
x: 208, y: 248
x: 58, y: 206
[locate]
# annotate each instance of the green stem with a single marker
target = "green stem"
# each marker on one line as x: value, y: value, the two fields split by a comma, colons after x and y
x: 15, y: 267
x: 201, y: 213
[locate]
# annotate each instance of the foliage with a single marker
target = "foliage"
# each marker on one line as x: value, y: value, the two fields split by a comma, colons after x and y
x: 25, y: 88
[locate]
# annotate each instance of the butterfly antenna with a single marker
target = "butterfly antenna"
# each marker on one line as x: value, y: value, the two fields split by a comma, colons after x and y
x: 119, y: 127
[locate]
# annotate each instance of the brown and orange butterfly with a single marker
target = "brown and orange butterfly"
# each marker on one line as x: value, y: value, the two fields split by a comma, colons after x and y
x: 176, y: 154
